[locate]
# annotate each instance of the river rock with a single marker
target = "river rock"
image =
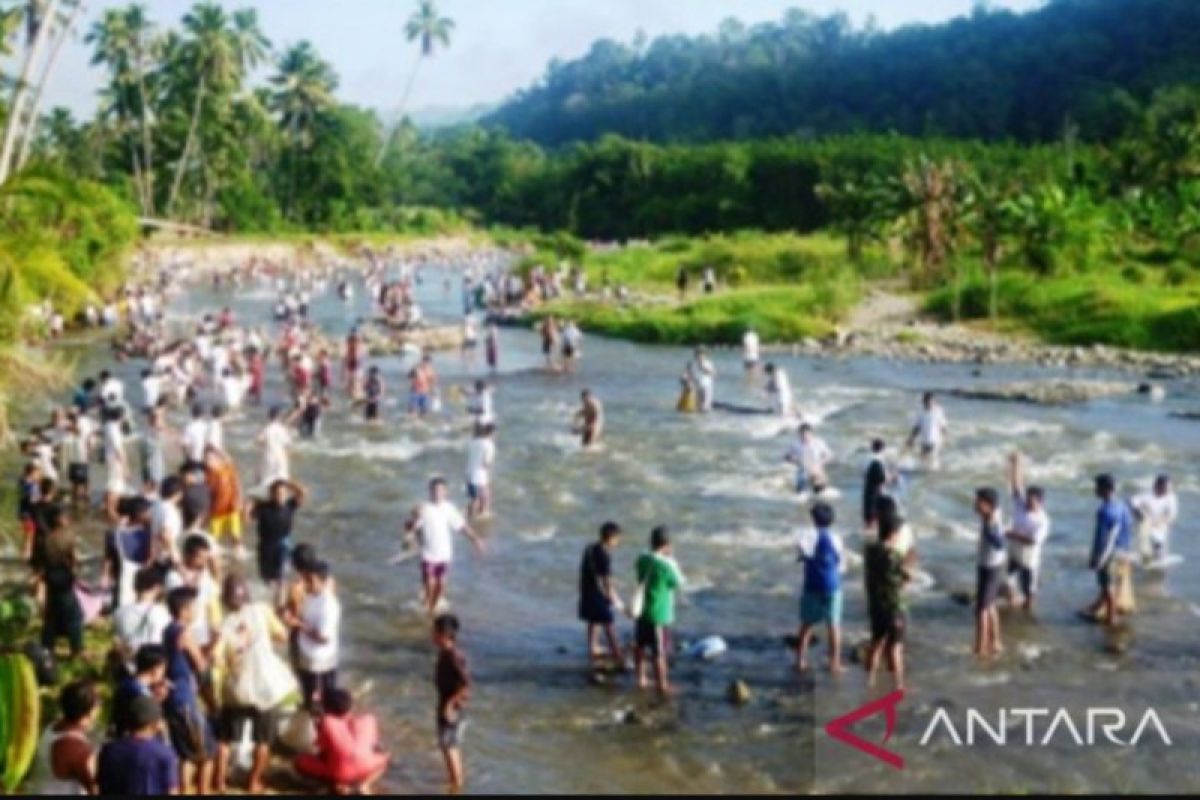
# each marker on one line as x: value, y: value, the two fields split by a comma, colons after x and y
x: 964, y: 597
x: 738, y: 693
x: 1046, y: 392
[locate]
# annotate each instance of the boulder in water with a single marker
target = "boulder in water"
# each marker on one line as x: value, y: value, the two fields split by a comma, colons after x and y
x: 738, y: 692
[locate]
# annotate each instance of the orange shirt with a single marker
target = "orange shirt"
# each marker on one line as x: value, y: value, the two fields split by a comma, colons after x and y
x: 226, y: 492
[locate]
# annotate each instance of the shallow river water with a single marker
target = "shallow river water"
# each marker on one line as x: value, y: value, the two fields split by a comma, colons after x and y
x: 719, y: 483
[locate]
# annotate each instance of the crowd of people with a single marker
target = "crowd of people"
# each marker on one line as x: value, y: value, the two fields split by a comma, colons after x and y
x: 195, y: 673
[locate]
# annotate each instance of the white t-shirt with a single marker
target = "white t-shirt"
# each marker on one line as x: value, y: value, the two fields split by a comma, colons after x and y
x: 233, y: 389
x: 114, y: 443
x: 151, y: 391
x: 81, y: 452
x: 1158, y: 512
x: 216, y: 434
x: 114, y: 389
x: 482, y: 406
x: 137, y: 624
x: 275, y: 439
x: 195, y: 438
x: 438, y: 524
x: 481, y: 452
x: 166, y: 523
x: 1030, y: 524
x: 781, y: 392
x: 206, y: 593
x: 750, y: 346
x: 322, y: 612
x: 931, y: 426
x: 812, y: 456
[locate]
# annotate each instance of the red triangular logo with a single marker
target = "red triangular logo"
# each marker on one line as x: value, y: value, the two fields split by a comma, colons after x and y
x: 840, y: 728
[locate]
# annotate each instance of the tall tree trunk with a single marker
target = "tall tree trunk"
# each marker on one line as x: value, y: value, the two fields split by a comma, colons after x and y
x: 16, y: 108
x: 181, y: 167
x: 412, y: 80
x: 38, y: 93
x: 147, y: 140
x: 138, y: 178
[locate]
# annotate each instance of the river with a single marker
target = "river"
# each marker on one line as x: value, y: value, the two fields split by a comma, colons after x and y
x: 718, y: 482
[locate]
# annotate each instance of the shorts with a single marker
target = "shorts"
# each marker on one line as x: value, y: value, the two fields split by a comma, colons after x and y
x: 888, y: 626
x: 434, y: 570
x: 655, y: 639
x: 418, y: 404
x: 227, y: 526
x: 820, y: 608
x: 1106, y: 574
x: 1027, y: 577
x: 804, y: 483
x: 988, y: 583
x: 568, y: 352
x: 450, y: 734
x: 477, y: 491
x: 271, y: 561
x: 190, y: 733
x: 77, y: 474
x: 372, y: 410
x: 233, y: 720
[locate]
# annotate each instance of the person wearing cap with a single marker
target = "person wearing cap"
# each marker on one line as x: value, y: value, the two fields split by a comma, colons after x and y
x: 139, y: 764
x: 598, y: 598
x: 1156, y: 511
x: 1110, y: 547
x: 990, y: 573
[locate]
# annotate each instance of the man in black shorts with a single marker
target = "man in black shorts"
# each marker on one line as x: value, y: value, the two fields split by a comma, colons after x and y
x: 274, y: 517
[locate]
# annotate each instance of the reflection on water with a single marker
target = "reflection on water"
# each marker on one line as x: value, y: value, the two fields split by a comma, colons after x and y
x: 720, y: 484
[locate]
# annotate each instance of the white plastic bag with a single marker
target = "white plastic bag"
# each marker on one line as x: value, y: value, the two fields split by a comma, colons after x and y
x: 263, y: 680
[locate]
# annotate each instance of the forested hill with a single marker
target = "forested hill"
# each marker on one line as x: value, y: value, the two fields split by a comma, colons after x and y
x: 1074, y: 64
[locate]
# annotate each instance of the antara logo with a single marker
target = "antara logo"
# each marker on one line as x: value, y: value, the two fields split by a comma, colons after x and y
x: 1027, y: 727
x: 840, y: 728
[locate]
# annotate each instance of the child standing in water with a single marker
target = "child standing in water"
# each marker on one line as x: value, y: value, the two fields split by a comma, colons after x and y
x: 821, y: 600
x: 453, y: 683
x: 990, y: 573
x: 885, y: 573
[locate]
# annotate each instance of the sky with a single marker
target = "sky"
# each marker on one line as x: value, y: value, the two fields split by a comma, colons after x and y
x: 499, y: 46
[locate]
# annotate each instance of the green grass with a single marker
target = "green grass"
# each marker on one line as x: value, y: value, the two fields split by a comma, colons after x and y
x: 1142, y: 309
x: 786, y: 287
x: 777, y: 313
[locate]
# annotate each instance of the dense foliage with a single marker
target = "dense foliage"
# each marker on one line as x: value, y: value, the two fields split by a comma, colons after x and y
x: 1073, y: 65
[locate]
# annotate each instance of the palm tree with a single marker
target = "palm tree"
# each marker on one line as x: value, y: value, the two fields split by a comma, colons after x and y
x: 303, y: 88
x: 37, y: 13
x: 124, y: 41
x: 218, y: 52
x: 427, y: 26
x: 65, y: 22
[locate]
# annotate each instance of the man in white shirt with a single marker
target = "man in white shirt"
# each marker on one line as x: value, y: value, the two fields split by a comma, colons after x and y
x: 151, y: 389
x: 435, y: 522
x: 779, y: 388
x: 319, y: 626
x: 930, y: 428
x: 195, y: 436
x: 809, y: 454
x: 1030, y: 528
x: 750, y: 351
x: 704, y: 376
x: 143, y: 621
x: 275, y: 440
x: 481, y: 453
x: 481, y: 404
x: 166, y: 521
x: 1156, y: 512
x: 233, y: 388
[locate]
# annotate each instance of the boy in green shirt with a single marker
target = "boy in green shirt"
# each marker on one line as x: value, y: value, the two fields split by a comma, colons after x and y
x: 658, y: 577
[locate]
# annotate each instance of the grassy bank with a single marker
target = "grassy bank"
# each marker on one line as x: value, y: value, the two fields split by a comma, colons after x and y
x: 786, y: 287
x: 1134, y: 308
